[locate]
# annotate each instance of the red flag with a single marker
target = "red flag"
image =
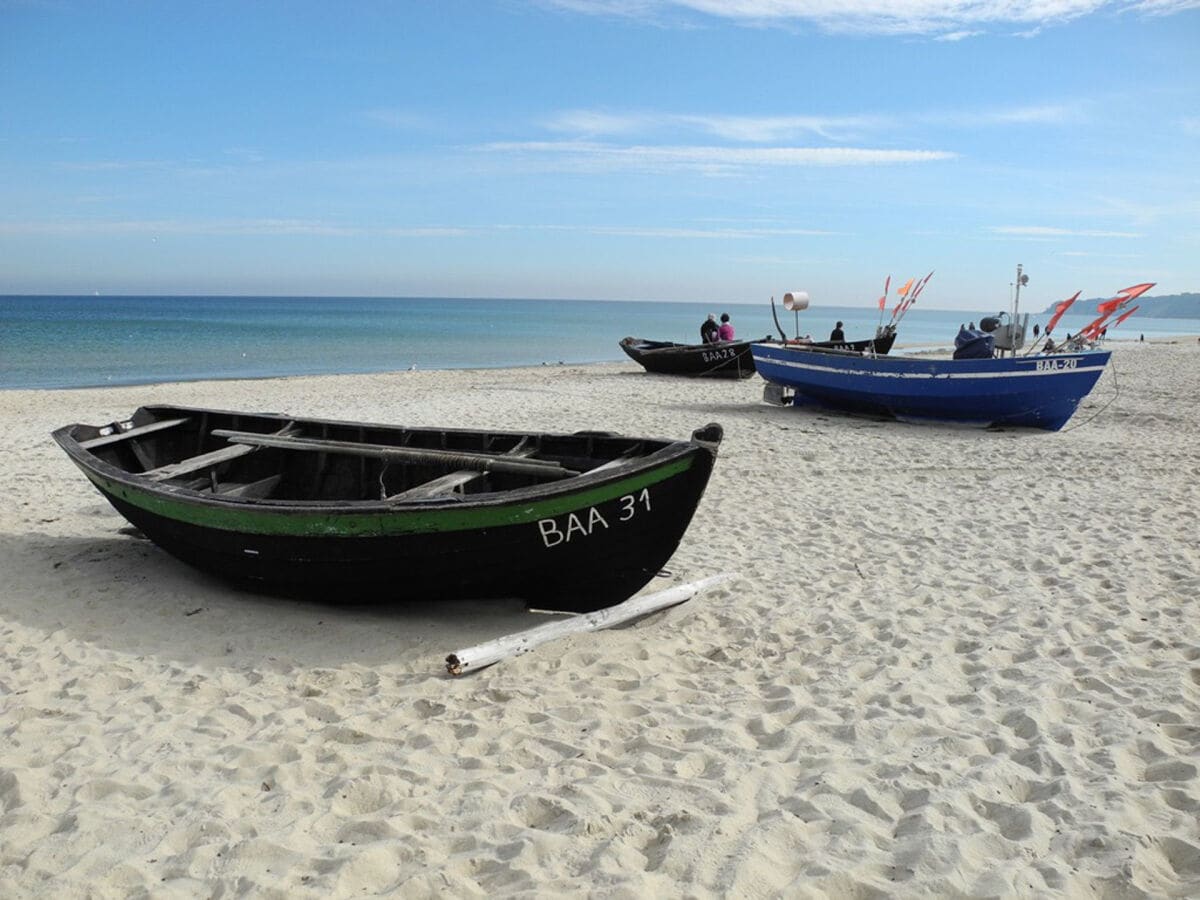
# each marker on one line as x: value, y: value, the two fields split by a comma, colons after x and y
x: 1125, y: 316
x: 1059, y: 310
x: 1123, y: 297
x: 883, y: 299
x: 1091, y: 331
x: 1132, y: 293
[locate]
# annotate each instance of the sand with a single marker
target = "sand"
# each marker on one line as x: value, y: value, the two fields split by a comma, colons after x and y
x: 954, y: 662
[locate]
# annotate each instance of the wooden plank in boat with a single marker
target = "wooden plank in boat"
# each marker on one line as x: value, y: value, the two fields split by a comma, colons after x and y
x: 212, y: 458
x: 140, y: 431
x: 253, y: 490
x: 196, y: 463
x: 445, y: 485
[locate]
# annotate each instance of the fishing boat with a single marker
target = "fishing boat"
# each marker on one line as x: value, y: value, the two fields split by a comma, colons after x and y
x: 723, y: 359
x: 350, y: 510
x: 730, y: 359
x: 1040, y: 390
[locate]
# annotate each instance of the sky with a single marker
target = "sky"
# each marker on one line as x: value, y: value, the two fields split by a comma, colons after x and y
x: 707, y: 150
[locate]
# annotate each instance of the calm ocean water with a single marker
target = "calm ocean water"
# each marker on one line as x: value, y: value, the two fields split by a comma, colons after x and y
x: 57, y: 342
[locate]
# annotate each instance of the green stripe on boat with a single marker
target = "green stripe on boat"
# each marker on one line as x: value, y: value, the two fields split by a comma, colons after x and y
x: 337, y: 522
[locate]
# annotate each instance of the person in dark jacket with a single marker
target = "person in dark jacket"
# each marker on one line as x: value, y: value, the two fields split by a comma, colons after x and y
x: 837, y: 334
x: 709, y: 329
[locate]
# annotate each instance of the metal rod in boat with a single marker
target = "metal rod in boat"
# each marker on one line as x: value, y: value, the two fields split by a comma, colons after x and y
x: 459, y: 459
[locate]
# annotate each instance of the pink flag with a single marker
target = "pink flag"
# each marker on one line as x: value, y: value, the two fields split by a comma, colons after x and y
x: 921, y: 286
x: 883, y: 299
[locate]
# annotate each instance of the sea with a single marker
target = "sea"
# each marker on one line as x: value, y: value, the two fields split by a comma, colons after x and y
x: 89, y: 341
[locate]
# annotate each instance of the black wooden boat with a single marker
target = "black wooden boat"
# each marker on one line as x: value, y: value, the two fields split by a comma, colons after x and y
x: 730, y: 359
x: 348, y: 510
x: 724, y: 359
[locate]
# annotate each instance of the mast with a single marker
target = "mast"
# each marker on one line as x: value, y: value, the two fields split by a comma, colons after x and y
x: 1013, y: 320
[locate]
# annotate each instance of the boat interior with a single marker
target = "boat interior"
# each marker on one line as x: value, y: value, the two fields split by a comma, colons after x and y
x: 234, y: 455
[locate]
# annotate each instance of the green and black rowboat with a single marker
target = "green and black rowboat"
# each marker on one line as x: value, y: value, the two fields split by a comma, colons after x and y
x: 349, y: 510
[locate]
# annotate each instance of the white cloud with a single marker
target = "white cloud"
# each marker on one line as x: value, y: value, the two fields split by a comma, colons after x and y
x: 591, y: 124
x: 1043, y: 231
x: 583, y: 155
x: 644, y: 231
x: 949, y: 18
x: 749, y: 129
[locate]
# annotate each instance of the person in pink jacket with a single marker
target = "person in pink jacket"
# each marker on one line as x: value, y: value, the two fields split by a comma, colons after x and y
x: 725, y: 332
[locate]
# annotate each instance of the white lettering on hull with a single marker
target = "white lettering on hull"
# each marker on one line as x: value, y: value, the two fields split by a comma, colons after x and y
x: 576, y: 526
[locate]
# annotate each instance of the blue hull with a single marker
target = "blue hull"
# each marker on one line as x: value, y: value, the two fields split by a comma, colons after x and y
x: 1035, y: 391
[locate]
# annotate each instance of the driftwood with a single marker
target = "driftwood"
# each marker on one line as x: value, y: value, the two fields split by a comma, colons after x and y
x: 486, y: 654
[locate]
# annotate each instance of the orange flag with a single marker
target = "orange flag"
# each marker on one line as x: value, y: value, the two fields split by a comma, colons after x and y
x: 901, y: 294
x: 883, y: 299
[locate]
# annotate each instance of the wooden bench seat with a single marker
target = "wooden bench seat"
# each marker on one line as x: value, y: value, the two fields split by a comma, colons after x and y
x: 212, y: 458
x: 140, y: 431
x: 445, y: 485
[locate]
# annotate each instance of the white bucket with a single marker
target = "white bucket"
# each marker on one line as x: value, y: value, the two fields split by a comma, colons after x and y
x: 795, y: 300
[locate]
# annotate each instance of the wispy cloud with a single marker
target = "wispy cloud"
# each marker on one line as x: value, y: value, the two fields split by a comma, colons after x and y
x: 156, y: 228
x: 228, y: 227
x: 951, y: 20
x: 583, y: 155
x: 591, y: 124
x: 643, y: 231
x: 396, y: 119
x: 747, y: 129
x: 1044, y: 231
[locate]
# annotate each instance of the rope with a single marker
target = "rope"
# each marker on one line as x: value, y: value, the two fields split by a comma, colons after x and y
x: 1116, y: 393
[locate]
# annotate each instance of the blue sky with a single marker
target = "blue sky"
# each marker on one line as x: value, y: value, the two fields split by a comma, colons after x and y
x: 617, y: 149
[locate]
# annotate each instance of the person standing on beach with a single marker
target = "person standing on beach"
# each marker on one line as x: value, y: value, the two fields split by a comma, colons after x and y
x: 726, y: 329
x: 837, y: 334
x: 709, y: 330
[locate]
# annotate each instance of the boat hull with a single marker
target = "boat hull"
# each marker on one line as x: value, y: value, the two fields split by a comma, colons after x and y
x: 1035, y: 391
x: 580, y: 545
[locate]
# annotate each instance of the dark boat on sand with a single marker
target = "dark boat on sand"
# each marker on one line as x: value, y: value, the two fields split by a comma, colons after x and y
x: 728, y: 359
x: 724, y: 359
x: 356, y: 511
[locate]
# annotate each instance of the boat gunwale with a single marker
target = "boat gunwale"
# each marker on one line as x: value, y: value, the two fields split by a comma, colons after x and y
x: 670, y: 452
x: 905, y: 367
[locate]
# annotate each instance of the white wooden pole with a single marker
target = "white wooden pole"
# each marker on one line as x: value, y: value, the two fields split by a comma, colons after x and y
x: 481, y: 655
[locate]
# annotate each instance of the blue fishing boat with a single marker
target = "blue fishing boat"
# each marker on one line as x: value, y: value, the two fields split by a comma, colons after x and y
x: 1039, y: 391
x: 980, y: 385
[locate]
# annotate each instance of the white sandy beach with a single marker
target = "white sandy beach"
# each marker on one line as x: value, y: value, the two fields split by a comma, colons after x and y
x: 955, y: 662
